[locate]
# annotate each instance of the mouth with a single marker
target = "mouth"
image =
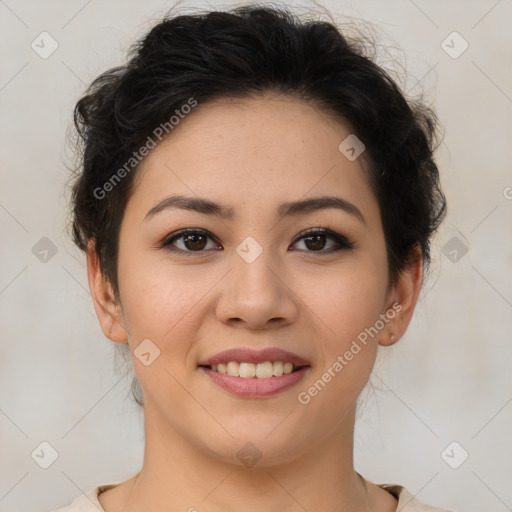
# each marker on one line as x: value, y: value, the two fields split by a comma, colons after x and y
x: 249, y: 373
x: 247, y: 370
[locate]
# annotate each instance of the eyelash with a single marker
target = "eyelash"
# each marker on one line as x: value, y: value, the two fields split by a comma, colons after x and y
x: 342, y: 242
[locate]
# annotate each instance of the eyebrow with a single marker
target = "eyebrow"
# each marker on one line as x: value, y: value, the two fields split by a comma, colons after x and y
x: 207, y: 207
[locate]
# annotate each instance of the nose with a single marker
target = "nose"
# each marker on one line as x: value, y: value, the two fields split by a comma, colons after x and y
x: 257, y: 295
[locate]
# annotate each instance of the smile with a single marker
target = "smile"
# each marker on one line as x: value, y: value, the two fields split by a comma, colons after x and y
x: 255, y: 387
x: 247, y: 372
x: 251, y: 370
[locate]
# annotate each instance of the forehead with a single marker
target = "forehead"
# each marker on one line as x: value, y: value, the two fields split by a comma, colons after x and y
x: 253, y: 152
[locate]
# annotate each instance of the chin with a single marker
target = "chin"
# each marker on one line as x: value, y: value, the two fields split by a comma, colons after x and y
x: 261, y: 447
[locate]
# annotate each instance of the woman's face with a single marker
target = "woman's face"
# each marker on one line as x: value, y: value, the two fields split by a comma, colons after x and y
x: 248, y: 280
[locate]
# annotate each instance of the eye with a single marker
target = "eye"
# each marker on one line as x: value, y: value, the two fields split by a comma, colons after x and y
x: 193, y: 240
x: 315, y: 239
x: 196, y: 240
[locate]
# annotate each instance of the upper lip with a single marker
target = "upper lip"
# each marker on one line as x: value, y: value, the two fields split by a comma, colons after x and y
x: 249, y: 355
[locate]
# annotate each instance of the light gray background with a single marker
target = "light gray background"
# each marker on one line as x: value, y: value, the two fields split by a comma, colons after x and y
x: 447, y: 380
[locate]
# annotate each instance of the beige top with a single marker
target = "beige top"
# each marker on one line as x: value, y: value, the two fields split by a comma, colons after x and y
x: 406, y: 501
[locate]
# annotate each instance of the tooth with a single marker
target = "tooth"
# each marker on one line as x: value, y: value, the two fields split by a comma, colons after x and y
x: 278, y: 368
x: 232, y: 368
x: 264, y: 370
x: 250, y: 370
x: 247, y: 370
x: 287, y: 368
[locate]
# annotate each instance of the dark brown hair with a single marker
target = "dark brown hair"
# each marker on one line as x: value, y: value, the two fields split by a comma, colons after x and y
x: 248, y: 51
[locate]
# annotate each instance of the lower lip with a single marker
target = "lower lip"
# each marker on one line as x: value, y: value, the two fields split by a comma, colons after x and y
x: 254, y: 387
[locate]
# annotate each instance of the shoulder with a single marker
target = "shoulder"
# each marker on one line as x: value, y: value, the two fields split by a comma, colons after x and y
x: 87, y: 502
x: 407, y: 502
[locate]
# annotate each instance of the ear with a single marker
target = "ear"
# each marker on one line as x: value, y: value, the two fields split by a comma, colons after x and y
x: 403, y: 295
x: 107, y: 309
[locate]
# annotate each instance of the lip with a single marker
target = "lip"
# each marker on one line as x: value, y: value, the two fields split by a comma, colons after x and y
x: 254, y: 387
x: 249, y: 355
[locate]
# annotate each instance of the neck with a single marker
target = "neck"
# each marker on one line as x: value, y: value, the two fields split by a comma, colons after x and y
x: 176, y: 473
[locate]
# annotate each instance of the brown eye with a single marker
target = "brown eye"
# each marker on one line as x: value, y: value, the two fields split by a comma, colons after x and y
x: 191, y: 240
x: 194, y: 242
x: 315, y: 240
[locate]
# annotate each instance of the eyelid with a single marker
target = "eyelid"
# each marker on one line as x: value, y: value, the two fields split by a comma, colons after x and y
x: 320, y: 231
x: 176, y: 235
x: 343, y: 242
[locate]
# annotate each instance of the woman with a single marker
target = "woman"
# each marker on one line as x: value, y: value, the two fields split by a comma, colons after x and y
x: 256, y: 200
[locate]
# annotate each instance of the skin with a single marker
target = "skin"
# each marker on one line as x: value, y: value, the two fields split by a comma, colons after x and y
x: 252, y: 155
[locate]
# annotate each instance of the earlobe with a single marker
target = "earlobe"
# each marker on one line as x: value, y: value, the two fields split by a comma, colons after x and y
x: 405, y: 294
x: 107, y: 308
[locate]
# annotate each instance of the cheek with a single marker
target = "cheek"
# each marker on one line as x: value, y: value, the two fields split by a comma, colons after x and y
x: 158, y: 298
x: 345, y: 301
x: 347, y: 352
x: 162, y: 304
x: 345, y: 305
